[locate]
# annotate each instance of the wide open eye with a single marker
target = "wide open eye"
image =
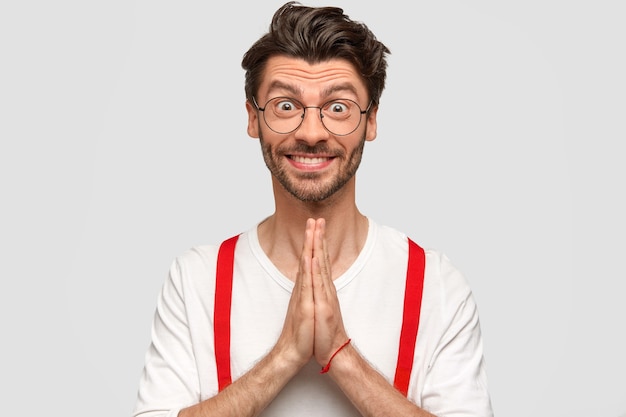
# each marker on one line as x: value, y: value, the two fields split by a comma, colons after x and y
x: 339, y: 109
x: 285, y: 107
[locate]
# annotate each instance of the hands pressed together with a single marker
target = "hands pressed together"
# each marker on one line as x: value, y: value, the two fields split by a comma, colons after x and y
x: 313, y: 326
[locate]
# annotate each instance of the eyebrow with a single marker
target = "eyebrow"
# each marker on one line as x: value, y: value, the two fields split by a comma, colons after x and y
x: 279, y: 85
x: 339, y: 87
x: 297, y: 92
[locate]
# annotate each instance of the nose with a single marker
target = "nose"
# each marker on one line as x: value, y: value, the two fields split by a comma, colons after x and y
x: 312, y: 129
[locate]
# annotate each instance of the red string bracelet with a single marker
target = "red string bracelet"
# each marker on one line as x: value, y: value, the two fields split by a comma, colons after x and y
x: 327, y: 367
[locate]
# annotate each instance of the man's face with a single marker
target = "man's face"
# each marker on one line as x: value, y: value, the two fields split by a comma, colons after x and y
x: 311, y: 163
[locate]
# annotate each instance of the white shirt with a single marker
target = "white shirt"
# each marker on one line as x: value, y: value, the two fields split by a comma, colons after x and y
x: 448, y: 376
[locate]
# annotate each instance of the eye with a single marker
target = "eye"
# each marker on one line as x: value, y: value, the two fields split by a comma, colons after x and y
x: 285, y: 105
x: 337, y: 107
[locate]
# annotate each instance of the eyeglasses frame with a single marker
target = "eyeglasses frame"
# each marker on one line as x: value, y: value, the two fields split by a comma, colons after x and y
x: 304, y: 108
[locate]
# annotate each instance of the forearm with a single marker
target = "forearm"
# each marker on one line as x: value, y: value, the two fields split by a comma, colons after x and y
x: 250, y: 394
x: 368, y: 390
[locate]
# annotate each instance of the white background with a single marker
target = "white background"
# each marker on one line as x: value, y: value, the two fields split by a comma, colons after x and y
x: 123, y: 143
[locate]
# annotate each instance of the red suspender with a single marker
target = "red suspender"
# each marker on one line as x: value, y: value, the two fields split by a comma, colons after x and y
x: 410, y: 319
x: 410, y: 316
x: 221, y: 317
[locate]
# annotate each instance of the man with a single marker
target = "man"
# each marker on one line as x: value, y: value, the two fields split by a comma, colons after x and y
x: 311, y: 313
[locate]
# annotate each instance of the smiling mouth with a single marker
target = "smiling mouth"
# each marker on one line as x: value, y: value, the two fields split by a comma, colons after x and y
x: 309, y: 160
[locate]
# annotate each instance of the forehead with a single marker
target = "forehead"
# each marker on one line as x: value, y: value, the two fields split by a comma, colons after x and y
x: 300, y: 78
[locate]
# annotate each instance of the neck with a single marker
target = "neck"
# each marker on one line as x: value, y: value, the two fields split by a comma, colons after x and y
x: 282, y: 234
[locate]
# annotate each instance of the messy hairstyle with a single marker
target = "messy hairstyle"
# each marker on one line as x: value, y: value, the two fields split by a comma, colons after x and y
x: 318, y: 34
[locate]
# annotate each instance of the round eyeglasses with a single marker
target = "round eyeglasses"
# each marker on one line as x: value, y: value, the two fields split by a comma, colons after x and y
x: 285, y: 114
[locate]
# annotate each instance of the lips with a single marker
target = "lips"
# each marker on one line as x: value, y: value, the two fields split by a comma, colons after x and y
x: 310, y: 163
x: 309, y: 160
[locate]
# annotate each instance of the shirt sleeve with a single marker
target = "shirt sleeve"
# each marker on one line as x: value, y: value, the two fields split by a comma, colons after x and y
x: 169, y: 380
x: 456, y: 381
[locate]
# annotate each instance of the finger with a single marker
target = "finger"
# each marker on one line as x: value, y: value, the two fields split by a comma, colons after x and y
x: 319, y: 291
x: 320, y: 252
x: 316, y: 269
x: 321, y: 227
x: 304, y: 279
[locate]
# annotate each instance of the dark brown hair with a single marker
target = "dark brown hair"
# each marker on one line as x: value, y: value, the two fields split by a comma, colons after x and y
x: 317, y: 34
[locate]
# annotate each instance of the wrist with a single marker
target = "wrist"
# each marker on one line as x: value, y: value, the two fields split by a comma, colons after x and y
x: 345, y: 362
x: 326, y: 367
x: 288, y: 357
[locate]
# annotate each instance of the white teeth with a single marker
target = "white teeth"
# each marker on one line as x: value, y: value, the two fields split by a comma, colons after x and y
x: 303, y: 160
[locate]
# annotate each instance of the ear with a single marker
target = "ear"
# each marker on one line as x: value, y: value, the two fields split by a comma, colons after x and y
x: 253, y: 120
x: 372, y: 124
